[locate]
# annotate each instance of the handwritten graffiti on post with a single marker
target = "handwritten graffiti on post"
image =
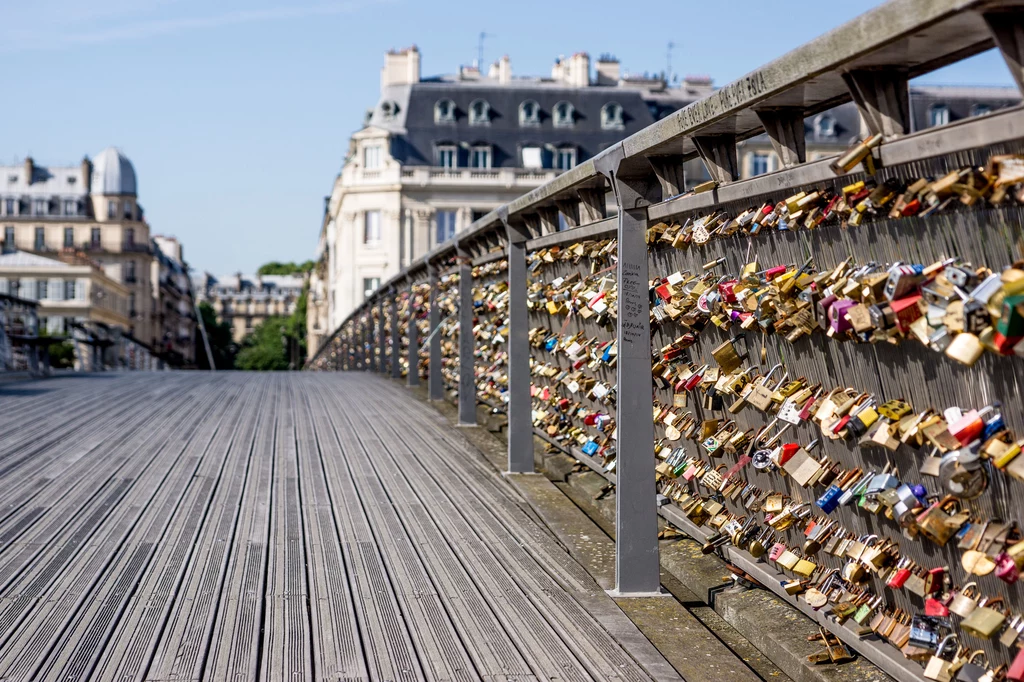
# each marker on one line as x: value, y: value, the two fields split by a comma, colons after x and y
x: 633, y: 304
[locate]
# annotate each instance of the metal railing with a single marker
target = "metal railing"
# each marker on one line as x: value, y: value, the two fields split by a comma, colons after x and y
x: 868, y: 60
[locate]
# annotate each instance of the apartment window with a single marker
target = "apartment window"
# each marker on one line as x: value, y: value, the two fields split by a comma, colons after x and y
x: 447, y: 156
x: 70, y: 207
x: 72, y: 179
x: 566, y: 158
x: 131, y: 305
x: 9, y: 206
x: 129, y: 237
x: 758, y: 163
x: 128, y: 209
x: 69, y: 290
x: 388, y: 110
x: 480, y: 157
x: 529, y: 113
x: 370, y: 285
x: 611, y: 116
x: 42, y: 289
x: 826, y: 126
x: 371, y: 227
x: 980, y: 109
x: 94, y: 238
x: 445, y: 226
x: 9, y: 237
x: 39, y: 207
x: 4, y: 286
x: 111, y: 209
x: 371, y: 157
x: 565, y: 115
x: 444, y: 111
x: 479, y: 113
x: 40, y: 240
x: 69, y: 237
x: 129, y: 272
x: 938, y: 115
x: 533, y: 157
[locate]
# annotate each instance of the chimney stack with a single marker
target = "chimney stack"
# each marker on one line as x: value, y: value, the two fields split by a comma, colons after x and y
x: 608, y: 70
x: 401, y: 67
x: 578, y: 73
x: 86, y: 174
x: 504, y: 70
x: 30, y: 170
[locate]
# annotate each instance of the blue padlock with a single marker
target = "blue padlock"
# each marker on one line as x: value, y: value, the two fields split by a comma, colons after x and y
x: 829, y: 499
x: 590, y: 447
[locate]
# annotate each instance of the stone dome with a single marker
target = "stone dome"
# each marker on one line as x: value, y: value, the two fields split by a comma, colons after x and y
x: 112, y: 173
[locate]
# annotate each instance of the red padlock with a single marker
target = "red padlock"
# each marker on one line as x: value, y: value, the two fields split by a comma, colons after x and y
x: 695, y: 379
x: 1006, y: 568
x: 970, y: 426
x: 899, y: 577
x: 772, y: 273
x: 934, y: 607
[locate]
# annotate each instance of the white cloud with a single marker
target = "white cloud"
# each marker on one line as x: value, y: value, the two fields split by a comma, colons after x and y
x: 14, y: 39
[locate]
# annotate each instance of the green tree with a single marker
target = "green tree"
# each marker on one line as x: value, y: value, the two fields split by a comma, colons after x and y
x: 277, y: 268
x: 264, y: 349
x: 222, y: 346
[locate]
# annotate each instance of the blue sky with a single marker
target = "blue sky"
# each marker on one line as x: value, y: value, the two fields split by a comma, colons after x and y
x: 237, y: 114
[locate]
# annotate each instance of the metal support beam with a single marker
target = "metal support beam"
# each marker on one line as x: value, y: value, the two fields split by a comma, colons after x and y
x: 883, y: 100
x: 434, y: 378
x: 570, y: 211
x: 1007, y: 29
x: 396, y: 338
x: 382, y: 338
x: 467, y: 344
x: 637, y: 562
x: 548, y: 219
x: 520, y: 424
x: 669, y: 170
x: 785, y: 128
x: 592, y: 205
x: 413, y: 377
x: 718, y: 152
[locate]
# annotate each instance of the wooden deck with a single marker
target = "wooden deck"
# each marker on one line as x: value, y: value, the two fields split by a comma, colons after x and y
x: 188, y: 526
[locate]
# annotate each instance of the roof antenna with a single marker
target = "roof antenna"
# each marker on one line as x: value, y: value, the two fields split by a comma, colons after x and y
x: 480, y: 51
x: 668, y: 62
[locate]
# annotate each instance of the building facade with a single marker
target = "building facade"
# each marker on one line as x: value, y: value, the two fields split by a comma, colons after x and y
x: 69, y: 288
x: 437, y: 153
x: 245, y: 301
x: 175, y: 316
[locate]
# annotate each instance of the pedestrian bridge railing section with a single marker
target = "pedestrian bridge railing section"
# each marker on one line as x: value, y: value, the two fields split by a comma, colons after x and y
x: 793, y: 368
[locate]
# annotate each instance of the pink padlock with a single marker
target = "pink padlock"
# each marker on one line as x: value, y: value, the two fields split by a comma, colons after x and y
x: 1006, y: 568
x: 837, y: 315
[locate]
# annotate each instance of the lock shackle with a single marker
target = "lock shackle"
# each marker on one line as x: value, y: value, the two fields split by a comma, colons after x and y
x: 974, y: 654
x: 772, y: 371
x: 945, y: 640
x: 973, y: 586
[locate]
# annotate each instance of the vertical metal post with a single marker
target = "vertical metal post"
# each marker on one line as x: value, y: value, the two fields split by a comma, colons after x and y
x: 396, y: 338
x: 382, y: 339
x: 413, y: 377
x: 434, y: 378
x: 637, y: 563
x: 520, y: 424
x: 467, y: 345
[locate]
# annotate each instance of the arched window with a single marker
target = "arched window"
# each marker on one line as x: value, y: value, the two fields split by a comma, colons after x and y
x: 938, y: 115
x: 564, y: 115
x: 444, y: 111
x: 479, y: 113
x: 388, y: 110
x: 529, y: 113
x: 611, y: 116
x: 825, y: 126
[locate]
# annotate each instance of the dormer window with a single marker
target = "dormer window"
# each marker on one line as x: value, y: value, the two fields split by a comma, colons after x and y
x: 980, y: 109
x: 565, y: 158
x: 529, y: 113
x: 444, y: 111
x: 611, y: 116
x: 480, y: 156
x: 371, y: 157
x: 938, y: 115
x: 479, y: 113
x: 388, y: 110
x: 825, y: 126
x: 564, y: 115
